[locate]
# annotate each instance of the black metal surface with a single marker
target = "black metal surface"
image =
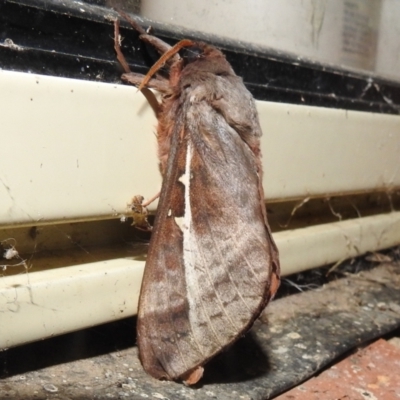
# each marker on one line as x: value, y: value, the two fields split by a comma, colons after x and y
x: 75, y: 40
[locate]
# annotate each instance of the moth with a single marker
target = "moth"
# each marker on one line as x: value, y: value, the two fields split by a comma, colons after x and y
x: 212, y: 264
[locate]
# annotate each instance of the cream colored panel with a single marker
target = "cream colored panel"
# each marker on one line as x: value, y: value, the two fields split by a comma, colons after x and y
x: 76, y: 150
x: 43, y: 304
x: 72, y: 149
x: 61, y: 300
x: 311, y: 151
x: 307, y: 248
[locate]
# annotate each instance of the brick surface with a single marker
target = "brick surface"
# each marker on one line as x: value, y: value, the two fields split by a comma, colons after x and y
x: 369, y: 374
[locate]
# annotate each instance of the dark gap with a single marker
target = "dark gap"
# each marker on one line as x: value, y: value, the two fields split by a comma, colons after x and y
x: 57, y: 38
x: 121, y: 334
x: 86, y: 343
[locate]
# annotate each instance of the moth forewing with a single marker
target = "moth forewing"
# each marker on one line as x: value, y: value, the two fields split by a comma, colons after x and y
x: 212, y: 265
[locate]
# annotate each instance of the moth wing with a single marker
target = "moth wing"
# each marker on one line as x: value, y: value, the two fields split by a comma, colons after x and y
x: 209, y: 266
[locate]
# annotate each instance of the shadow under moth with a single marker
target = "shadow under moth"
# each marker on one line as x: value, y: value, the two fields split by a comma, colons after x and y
x: 212, y: 264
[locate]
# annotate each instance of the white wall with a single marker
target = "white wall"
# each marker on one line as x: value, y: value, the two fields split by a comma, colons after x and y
x: 349, y: 33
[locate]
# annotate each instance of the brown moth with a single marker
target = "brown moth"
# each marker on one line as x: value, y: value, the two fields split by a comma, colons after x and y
x: 212, y: 265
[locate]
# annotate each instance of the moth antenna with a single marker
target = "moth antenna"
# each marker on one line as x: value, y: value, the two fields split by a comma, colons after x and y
x: 164, y: 58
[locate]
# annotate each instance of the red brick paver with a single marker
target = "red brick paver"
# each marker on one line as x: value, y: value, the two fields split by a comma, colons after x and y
x: 372, y: 373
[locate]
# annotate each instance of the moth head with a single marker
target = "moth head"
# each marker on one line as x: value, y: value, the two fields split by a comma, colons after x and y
x: 192, y: 53
x: 164, y: 58
x: 201, y: 57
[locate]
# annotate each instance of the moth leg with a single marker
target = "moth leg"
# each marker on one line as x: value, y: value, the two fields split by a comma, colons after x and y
x: 151, y: 200
x: 117, y: 47
x: 150, y: 97
x: 157, y: 43
x: 159, y: 84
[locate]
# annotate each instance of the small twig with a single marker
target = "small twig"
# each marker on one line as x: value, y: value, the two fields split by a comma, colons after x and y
x: 301, y: 288
x: 295, y: 208
x: 334, y: 266
x: 336, y: 214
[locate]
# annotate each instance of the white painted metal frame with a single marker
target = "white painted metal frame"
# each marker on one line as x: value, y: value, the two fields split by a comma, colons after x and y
x: 76, y: 151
